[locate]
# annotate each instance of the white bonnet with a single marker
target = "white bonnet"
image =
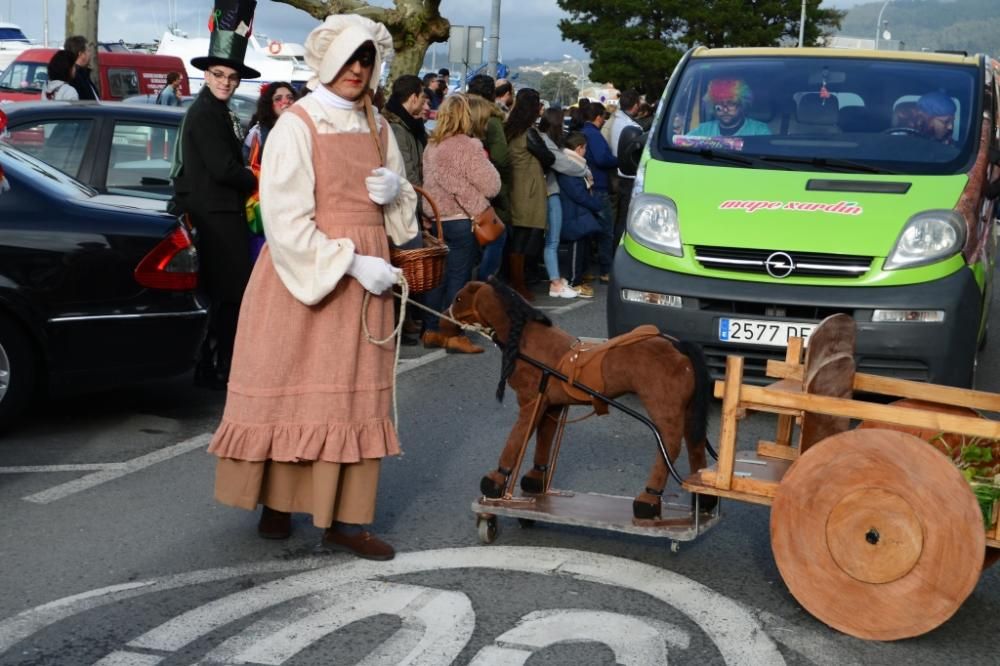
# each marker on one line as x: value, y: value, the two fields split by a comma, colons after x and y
x: 331, y: 43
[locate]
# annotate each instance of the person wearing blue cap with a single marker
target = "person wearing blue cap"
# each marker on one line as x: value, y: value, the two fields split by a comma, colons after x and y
x: 937, y: 116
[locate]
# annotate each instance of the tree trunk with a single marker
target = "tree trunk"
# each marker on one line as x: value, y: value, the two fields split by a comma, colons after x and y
x: 81, y: 19
x: 414, y: 25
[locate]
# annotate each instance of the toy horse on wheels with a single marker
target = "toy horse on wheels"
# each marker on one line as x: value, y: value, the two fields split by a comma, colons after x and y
x: 668, y: 376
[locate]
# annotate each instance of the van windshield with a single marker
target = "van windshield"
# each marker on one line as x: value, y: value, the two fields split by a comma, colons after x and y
x: 835, y: 114
x: 24, y: 77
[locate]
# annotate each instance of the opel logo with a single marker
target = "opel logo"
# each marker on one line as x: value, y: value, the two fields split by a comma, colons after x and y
x: 779, y: 265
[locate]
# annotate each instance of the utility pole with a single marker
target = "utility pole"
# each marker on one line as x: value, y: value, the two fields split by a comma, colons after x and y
x: 878, y: 23
x: 494, y: 53
x: 802, y: 26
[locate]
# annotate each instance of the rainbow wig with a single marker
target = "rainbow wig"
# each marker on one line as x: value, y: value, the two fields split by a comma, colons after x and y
x: 721, y: 90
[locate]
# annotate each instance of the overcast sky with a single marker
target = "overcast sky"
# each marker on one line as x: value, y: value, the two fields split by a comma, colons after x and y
x: 528, y: 28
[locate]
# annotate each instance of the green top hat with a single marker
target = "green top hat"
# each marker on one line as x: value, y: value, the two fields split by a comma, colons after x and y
x: 230, y: 24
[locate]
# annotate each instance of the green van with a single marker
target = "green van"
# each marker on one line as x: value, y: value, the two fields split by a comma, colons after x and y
x: 780, y: 186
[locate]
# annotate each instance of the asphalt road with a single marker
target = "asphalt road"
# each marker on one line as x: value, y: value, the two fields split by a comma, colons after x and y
x: 113, y: 551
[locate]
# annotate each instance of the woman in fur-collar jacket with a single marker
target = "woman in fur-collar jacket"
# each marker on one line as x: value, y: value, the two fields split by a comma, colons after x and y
x: 458, y: 176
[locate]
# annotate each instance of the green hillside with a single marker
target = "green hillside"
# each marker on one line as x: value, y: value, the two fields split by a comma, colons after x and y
x: 962, y: 25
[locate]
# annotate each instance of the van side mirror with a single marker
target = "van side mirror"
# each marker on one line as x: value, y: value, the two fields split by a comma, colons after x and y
x: 630, y: 145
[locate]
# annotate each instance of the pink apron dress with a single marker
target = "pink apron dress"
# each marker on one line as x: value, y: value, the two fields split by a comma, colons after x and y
x: 307, y: 392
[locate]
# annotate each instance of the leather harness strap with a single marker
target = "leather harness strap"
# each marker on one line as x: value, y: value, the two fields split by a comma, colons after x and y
x: 583, y: 364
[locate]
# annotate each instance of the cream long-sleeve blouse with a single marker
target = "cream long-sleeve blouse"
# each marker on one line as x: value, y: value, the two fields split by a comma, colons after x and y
x: 309, y: 263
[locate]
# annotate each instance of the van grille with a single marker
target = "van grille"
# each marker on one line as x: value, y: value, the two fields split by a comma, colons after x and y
x: 803, y: 264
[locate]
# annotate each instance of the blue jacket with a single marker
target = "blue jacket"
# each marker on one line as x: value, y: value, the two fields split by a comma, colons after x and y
x: 580, y: 208
x: 600, y: 159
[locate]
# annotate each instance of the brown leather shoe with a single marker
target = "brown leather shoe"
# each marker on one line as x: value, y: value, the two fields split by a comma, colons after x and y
x: 274, y: 524
x: 363, y: 544
x: 460, y: 344
x: 433, y: 339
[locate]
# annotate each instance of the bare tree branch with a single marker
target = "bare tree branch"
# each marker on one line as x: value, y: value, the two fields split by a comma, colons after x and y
x: 414, y: 25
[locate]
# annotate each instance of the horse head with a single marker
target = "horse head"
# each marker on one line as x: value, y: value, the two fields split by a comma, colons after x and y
x: 497, y: 306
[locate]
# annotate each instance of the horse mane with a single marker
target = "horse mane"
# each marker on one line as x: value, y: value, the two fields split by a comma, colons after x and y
x: 519, y: 313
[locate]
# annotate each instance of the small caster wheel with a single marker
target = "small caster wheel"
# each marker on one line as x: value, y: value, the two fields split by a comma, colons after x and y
x: 526, y: 522
x: 675, y: 546
x: 488, y: 528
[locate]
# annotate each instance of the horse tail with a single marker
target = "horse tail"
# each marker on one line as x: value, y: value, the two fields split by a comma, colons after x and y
x: 697, y: 427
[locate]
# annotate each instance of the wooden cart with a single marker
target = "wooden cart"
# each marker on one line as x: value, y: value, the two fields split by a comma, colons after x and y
x: 875, y: 531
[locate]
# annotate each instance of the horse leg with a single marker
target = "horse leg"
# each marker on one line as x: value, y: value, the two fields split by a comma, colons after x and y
x: 534, y: 479
x: 495, y: 482
x: 668, y: 418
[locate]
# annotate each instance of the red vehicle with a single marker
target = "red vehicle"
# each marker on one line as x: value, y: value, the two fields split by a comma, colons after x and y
x: 121, y: 75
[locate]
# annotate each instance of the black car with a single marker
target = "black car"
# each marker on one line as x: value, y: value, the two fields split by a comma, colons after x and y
x: 91, y: 294
x: 115, y: 148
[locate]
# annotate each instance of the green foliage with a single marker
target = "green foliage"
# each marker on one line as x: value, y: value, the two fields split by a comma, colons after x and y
x: 529, y: 79
x: 559, y: 88
x: 955, y: 25
x: 637, y: 43
x: 975, y: 460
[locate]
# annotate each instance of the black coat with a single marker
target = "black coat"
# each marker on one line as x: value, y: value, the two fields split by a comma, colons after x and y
x: 214, y: 176
x: 84, y: 85
x: 212, y: 186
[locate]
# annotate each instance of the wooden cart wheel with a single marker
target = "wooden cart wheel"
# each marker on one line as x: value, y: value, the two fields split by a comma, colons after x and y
x: 877, y: 534
x: 943, y: 441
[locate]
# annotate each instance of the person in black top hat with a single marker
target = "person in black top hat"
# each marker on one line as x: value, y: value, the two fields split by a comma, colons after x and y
x: 212, y: 183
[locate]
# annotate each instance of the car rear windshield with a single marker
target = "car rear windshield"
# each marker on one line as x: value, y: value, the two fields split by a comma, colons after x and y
x: 837, y: 114
x: 42, y: 174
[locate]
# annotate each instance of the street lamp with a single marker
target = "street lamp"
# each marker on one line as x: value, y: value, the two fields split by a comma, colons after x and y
x: 878, y: 23
x: 579, y: 81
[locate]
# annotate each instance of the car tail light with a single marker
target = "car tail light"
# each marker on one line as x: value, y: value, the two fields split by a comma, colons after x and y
x: 171, y: 265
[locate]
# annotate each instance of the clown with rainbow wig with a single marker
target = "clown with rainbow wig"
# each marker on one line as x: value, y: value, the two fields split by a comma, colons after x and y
x: 730, y: 99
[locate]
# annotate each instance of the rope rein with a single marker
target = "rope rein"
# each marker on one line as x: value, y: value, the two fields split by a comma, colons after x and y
x: 397, y: 333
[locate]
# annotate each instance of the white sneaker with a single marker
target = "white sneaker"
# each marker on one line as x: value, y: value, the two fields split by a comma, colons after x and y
x: 563, y: 291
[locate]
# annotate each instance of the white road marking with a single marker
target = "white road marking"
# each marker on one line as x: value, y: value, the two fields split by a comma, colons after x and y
x: 635, y: 640
x: 46, y: 469
x: 734, y: 630
x: 129, y: 659
x: 407, y: 364
x: 560, y: 309
x: 134, y: 465
x: 436, y: 625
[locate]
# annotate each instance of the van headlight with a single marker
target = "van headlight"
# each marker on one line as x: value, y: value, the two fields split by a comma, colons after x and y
x: 652, y: 222
x: 927, y: 237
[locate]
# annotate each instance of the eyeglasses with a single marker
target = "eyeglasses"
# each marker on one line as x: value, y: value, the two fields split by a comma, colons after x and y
x: 731, y: 104
x: 221, y: 76
x: 365, y: 56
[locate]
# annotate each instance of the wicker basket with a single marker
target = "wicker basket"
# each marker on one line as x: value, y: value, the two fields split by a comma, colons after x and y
x: 423, y: 267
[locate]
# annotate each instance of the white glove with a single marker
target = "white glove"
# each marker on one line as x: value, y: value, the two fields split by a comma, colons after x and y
x: 374, y: 273
x: 383, y: 186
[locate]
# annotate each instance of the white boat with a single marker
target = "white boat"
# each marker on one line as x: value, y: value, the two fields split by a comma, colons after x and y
x: 12, y: 42
x: 290, y: 52
x: 271, y: 69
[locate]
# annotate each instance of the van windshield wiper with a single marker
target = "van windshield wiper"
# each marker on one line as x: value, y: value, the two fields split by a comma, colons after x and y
x: 846, y: 165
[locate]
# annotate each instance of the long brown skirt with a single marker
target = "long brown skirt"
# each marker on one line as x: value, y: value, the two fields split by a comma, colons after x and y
x: 329, y: 491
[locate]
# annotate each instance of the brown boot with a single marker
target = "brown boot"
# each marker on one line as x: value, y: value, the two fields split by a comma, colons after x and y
x: 433, y: 339
x: 517, y: 277
x: 459, y: 344
x: 274, y: 524
x: 363, y: 544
